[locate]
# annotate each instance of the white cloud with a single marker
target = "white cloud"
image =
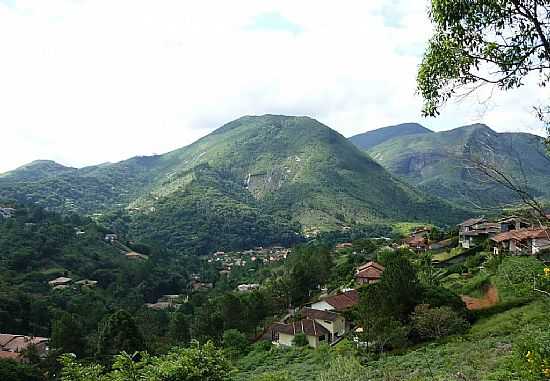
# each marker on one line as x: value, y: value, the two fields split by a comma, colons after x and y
x: 85, y: 81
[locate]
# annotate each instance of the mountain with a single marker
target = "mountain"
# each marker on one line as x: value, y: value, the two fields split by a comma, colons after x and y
x: 440, y: 163
x: 256, y: 180
x: 373, y: 138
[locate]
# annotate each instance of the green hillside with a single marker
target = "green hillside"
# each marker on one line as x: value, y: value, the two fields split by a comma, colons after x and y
x: 438, y: 163
x: 255, y: 179
x: 372, y: 138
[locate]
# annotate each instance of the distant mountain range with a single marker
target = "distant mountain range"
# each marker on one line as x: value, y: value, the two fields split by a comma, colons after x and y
x: 439, y: 163
x: 256, y: 180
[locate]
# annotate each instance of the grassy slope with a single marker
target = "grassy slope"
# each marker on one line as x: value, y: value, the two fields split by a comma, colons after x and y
x: 484, y: 353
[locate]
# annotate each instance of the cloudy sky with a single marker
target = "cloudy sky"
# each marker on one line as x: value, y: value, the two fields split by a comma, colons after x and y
x: 90, y: 81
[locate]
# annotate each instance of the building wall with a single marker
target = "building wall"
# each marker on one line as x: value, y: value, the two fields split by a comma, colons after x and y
x: 540, y: 244
x: 288, y: 340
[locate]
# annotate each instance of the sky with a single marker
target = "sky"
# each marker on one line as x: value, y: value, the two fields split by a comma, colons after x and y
x: 84, y: 82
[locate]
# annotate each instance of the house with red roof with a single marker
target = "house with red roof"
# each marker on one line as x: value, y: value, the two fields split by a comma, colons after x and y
x: 13, y: 347
x: 368, y: 273
x: 521, y: 241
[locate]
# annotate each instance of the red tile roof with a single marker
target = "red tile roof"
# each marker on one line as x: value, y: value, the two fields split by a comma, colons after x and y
x: 370, y: 270
x: 306, y: 326
x: 344, y: 300
x: 310, y: 313
x: 522, y: 235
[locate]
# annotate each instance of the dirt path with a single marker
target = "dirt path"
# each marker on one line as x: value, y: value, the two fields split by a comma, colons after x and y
x: 489, y: 299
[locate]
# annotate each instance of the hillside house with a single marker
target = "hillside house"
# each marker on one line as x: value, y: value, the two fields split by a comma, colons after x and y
x: 512, y: 223
x: 284, y: 334
x: 421, y: 231
x: 7, y: 212
x: 418, y: 243
x: 521, y: 241
x: 338, y: 303
x: 475, y: 230
x: 13, y: 347
x: 61, y: 281
x: 344, y: 245
x: 248, y: 287
x: 334, y: 323
x: 368, y: 273
x: 133, y: 256
x: 87, y: 283
x: 111, y: 237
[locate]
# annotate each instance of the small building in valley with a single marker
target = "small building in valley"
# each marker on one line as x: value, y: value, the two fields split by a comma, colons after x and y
x: 370, y: 272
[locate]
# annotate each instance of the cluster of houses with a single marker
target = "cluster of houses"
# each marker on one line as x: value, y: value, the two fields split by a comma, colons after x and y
x: 324, y: 321
x: 14, y: 347
x: 511, y: 235
x: 62, y: 283
x: 228, y: 261
x: 6, y: 212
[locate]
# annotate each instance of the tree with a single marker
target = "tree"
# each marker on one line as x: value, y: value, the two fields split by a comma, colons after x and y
x: 235, y: 343
x: 399, y: 287
x: 119, y: 333
x: 496, y: 42
x: 437, y: 322
x: 179, y: 329
x: 199, y: 363
x: 14, y: 371
x: 67, y: 336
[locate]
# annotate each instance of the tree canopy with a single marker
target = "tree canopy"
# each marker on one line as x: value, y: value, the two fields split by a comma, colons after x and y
x: 480, y: 42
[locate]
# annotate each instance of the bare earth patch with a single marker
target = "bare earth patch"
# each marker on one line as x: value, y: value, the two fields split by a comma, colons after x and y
x: 490, y: 298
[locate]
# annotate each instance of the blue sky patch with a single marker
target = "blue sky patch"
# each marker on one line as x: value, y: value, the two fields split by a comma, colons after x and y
x: 274, y: 21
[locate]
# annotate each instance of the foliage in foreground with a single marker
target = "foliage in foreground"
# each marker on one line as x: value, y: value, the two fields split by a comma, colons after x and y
x: 198, y: 363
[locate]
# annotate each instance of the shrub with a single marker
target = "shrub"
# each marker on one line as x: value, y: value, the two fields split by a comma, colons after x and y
x: 300, y: 340
x: 434, y: 323
x: 235, y: 342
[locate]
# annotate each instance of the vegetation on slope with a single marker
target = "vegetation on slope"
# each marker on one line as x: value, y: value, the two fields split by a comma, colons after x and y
x: 443, y: 163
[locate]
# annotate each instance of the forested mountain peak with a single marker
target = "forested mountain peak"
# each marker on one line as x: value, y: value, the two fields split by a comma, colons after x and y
x: 372, y: 138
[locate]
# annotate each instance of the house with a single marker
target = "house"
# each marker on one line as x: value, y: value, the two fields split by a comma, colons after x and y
x: 475, y: 230
x: 370, y: 272
x: 111, y: 237
x: 512, y: 223
x: 334, y: 323
x: 13, y: 347
x: 418, y: 243
x: 247, y: 287
x: 168, y: 302
x: 521, y: 241
x: 198, y: 286
x: 345, y: 245
x: 339, y: 302
x: 61, y: 281
x: 87, y: 283
x: 133, y: 256
x: 421, y: 231
x: 7, y: 212
x: 284, y: 334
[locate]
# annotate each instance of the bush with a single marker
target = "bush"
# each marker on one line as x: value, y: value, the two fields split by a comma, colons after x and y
x: 13, y: 371
x: 434, y: 323
x: 300, y: 340
x: 235, y: 342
